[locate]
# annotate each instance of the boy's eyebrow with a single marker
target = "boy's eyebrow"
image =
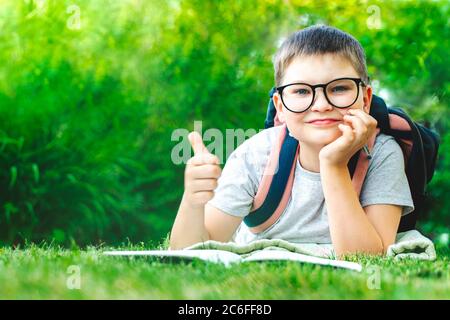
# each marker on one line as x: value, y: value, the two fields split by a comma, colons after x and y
x: 318, y: 82
x: 301, y: 81
x: 297, y: 80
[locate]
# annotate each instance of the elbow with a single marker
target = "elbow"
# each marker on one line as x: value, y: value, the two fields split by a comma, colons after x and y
x: 376, y: 249
x: 386, y: 247
x: 176, y: 243
x: 173, y: 245
x: 180, y: 243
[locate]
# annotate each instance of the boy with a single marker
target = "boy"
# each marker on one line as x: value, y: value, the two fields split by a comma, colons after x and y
x: 323, y: 96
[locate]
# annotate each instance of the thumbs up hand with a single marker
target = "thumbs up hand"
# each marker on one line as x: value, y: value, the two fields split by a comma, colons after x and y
x: 201, y: 174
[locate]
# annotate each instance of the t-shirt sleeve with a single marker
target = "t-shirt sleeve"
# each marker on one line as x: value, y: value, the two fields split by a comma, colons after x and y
x: 237, y: 185
x: 386, y: 181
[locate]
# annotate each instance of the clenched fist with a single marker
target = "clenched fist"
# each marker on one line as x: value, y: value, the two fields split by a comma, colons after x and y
x: 201, y: 174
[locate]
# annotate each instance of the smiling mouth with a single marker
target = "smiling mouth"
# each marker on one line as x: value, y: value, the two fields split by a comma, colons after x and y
x: 324, y: 122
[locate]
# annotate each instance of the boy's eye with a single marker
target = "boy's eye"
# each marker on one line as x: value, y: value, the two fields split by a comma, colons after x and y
x: 338, y: 89
x: 302, y: 91
x: 299, y: 91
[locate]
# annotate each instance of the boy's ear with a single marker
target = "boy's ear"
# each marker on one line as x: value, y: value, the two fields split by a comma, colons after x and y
x: 367, y: 98
x: 279, y: 106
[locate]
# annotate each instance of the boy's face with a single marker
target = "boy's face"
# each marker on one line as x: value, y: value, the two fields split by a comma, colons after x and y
x: 313, y: 70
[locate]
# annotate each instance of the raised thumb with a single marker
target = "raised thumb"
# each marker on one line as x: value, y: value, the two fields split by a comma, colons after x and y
x: 197, y: 143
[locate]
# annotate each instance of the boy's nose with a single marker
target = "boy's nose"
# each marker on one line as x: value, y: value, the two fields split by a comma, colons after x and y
x: 320, y: 102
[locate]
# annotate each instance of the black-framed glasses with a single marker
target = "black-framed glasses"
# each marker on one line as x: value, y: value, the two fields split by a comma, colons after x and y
x: 340, y: 93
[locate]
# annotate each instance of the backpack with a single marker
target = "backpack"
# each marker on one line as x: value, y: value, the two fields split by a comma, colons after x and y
x: 418, y: 143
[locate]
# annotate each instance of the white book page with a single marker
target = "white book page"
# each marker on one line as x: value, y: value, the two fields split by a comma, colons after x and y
x: 215, y: 256
x: 279, y: 255
x: 228, y: 258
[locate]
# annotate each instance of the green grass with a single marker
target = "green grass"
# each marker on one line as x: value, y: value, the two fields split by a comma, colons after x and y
x: 42, y: 272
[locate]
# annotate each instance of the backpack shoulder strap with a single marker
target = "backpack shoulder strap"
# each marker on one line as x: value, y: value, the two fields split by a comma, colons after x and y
x: 362, y: 165
x: 358, y: 171
x: 275, y: 187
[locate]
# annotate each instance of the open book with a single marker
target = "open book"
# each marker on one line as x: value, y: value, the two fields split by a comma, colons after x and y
x: 409, y: 245
x: 228, y: 258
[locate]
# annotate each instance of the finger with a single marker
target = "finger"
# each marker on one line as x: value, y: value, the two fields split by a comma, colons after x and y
x: 358, y: 125
x: 347, y: 132
x: 364, y: 116
x: 206, y: 171
x: 203, y: 158
x: 197, y: 143
x: 204, y: 185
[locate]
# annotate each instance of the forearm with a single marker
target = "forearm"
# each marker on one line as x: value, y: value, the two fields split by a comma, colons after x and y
x: 350, y: 229
x: 189, y: 226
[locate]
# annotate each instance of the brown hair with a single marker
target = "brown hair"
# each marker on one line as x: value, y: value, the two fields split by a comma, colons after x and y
x: 316, y: 40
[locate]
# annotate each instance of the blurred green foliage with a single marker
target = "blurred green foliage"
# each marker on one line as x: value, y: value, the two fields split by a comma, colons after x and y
x: 91, y: 91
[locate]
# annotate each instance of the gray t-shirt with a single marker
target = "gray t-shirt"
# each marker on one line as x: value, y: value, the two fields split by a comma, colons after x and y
x: 305, y: 218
